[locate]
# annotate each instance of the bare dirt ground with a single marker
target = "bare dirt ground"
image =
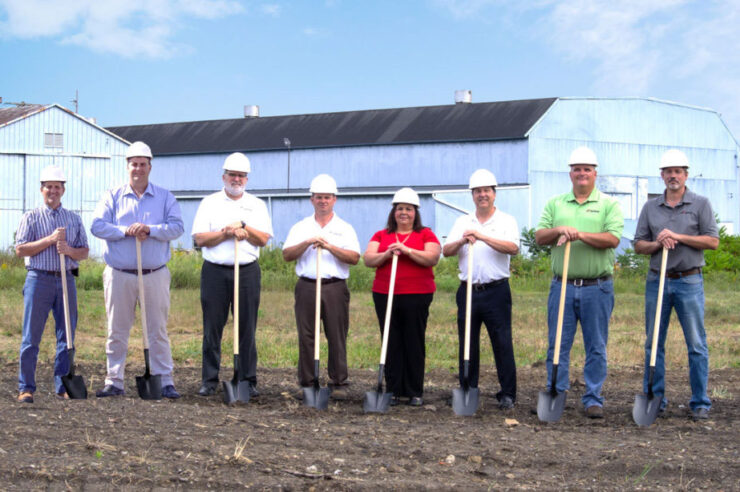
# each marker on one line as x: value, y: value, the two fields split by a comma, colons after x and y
x: 274, y: 442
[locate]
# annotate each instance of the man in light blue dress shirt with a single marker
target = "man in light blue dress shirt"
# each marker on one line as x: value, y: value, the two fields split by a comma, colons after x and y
x: 42, y: 235
x: 150, y: 213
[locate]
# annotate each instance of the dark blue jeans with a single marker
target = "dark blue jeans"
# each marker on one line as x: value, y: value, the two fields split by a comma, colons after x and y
x: 43, y: 293
x: 592, y: 306
x: 686, y: 296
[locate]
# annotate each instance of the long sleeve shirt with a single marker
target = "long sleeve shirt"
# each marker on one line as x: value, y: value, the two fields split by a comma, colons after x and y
x: 119, y: 208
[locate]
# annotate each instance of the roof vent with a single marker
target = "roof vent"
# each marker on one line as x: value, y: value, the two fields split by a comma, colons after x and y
x: 251, y: 111
x: 463, y: 97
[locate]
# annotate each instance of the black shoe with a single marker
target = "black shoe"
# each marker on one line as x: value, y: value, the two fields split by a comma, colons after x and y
x: 416, y: 401
x: 253, y: 393
x: 170, y: 392
x: 700, y: 414
x: 207, y: 390
x: 395, y: 401
x: 109, y: 390
x: 506, y: 403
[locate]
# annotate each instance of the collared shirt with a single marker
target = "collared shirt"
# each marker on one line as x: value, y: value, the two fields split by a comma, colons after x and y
x: 119, y: 208
x: 599, y: 213
x: 693, y: 216
x: 217, y: 210
x: 337, y: 232
x: 43, y: 221
x: 488, y: 264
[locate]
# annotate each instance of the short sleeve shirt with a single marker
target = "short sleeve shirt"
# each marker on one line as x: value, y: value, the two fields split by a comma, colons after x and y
x: 411, y: 278
x: 693, y: 216
x: 337, y: 232
x: 488, y: 264
x: 43, y: 221
x: 599, y: 213
x: 216, y: 211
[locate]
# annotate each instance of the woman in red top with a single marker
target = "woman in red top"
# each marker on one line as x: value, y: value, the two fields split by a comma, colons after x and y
x: 418, y: 251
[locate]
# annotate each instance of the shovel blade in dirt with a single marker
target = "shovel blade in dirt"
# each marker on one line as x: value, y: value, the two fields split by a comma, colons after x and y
x: 236, y: 390
x: 550, y: 407
x: 316, y: 397
x: 74, y: 385
x: 465, y: 401
x: 377, y: 402
x: 149, y: 386
x: 645, y: 410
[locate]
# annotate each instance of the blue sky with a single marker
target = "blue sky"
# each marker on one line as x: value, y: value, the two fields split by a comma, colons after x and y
x: 153, y: 61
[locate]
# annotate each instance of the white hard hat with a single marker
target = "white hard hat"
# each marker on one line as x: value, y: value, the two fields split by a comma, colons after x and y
x: 237, y: 162
x: 482, y: 177
x: 583, y: 155
x: 53, y: 173
x: 138, y: 149
x: 323, y: 183
x: 406, y: 195
x: 674, y: 158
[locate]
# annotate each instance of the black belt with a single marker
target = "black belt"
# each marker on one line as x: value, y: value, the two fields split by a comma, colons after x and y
x: 144, y: 271
x: 488, y: 285
x: 230, y: 267
x: 324, y: 281
x: 685, y: 273
x: 583, y: 282
x: 53, y: 273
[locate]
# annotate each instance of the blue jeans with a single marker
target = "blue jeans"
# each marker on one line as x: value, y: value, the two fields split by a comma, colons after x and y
x: 43, y: 293
x: 591, y: 305
x: 686, y: 296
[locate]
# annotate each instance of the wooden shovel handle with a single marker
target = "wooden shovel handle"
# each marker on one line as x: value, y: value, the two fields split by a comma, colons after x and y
x: 388, y: 309
x: 65, y: 301
x: 142, y: 301
x: 236, y: 296
x: 317, y: 317
x: 561, y: 306
x: 468, y: 302
x: 658, y: 306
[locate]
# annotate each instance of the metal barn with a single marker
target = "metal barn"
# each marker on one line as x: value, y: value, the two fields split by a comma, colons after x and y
x: 435, y: 149
x: 34, y: 136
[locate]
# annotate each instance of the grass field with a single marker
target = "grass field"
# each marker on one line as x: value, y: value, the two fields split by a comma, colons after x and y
x: 277, y: 339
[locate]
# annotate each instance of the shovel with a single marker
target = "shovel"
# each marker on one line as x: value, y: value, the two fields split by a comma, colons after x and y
x: 465, y: 398
x: 316, y: 396
x: 379, y: 401
x: 73, y: 384
x: 550, y: 404
x: 236, y: 389
x: 148, y: 385
x: 647, y: 407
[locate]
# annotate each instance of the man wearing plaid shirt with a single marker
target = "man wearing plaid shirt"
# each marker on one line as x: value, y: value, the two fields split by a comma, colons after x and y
x: 43, y: 234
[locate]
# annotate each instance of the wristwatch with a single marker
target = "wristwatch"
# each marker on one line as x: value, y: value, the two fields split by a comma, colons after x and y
x: 244, y: 224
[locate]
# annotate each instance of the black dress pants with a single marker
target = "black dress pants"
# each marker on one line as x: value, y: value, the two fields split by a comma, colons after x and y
x: 216, y: 298
x: 404, y: 365
x: 492, y: 307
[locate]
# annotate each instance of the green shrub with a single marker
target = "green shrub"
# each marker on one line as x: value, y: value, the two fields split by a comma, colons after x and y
x: 727, y: 255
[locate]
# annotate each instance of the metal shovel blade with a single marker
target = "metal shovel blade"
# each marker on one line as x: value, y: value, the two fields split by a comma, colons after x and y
x: 235, y: 391
x: 645, y: 410
x: 149, y: 387
x: 550, y: 407
x: 316, y: 397
x: 74, y: 385
x: 377, y: 402
x: 465, y: 402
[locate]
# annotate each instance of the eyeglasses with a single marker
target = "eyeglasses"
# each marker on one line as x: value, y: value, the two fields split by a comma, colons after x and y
x: 236, y: 175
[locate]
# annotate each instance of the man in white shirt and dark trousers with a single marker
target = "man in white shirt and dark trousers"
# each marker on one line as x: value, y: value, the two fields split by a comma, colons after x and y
x: 339, y: 249
x: 222, y: 217
x: 494, y: 235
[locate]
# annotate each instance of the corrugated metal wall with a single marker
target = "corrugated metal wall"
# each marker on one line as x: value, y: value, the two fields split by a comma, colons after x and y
x: 92, y: 159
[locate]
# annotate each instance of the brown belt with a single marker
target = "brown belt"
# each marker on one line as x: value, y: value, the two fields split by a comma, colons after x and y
x: 685, y: 273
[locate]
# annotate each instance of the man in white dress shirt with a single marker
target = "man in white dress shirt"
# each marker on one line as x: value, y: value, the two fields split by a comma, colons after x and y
x: 222, y: 217
x: 339, y: 248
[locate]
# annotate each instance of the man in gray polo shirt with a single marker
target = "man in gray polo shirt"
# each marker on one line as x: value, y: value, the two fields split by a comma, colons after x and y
x: 682, y: 222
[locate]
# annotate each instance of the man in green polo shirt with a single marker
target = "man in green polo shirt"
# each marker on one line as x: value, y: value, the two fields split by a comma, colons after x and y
x: 593, y: 223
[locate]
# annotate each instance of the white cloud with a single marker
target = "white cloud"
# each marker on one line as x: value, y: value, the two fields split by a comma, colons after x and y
x: 272, y: 9
x: 128, y: 28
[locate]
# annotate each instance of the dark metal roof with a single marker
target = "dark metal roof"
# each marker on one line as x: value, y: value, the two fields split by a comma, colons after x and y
x: 452, y: 123
x: 11, y: 114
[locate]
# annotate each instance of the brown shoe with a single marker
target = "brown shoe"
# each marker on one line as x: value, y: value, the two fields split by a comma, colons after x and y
x: 25, y: 397
x: 63, y: 395
x: 595, y: 412
x: 339, y: 393
x: 298, y: 394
